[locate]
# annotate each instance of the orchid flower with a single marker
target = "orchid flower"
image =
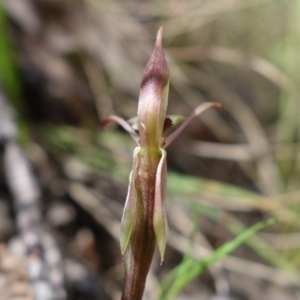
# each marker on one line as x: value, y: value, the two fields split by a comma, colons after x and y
x: 144, y: 219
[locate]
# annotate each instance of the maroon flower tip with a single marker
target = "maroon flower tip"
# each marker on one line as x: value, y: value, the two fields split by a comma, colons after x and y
x: 157, y: 70
x: 104, y: 123
x: 167, y: 124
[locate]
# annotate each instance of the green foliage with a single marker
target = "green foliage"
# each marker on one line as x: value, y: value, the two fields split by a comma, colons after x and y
x: 9, y: 76
x: 190, y: 268
x: 200, y: 195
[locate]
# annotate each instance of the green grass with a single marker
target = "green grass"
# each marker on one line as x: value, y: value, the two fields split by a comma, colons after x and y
x: 190, y: 268
x: 9, y: 76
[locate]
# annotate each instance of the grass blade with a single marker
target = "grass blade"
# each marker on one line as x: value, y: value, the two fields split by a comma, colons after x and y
x: 190, y: 268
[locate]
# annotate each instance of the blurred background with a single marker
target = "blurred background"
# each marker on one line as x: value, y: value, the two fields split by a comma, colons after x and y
x: 65, y: 65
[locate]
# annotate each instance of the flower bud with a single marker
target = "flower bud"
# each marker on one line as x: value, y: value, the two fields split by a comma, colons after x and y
x: 153, y: 98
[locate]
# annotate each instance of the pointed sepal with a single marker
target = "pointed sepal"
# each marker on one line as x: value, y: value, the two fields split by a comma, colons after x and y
x: 123, y: 124
x: 130, y: 208
x: 160, y: 218
x: 153, y: 99
x: 195, y: 113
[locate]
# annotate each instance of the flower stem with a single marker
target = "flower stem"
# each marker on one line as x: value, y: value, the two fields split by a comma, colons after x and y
x: 139, y: 253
